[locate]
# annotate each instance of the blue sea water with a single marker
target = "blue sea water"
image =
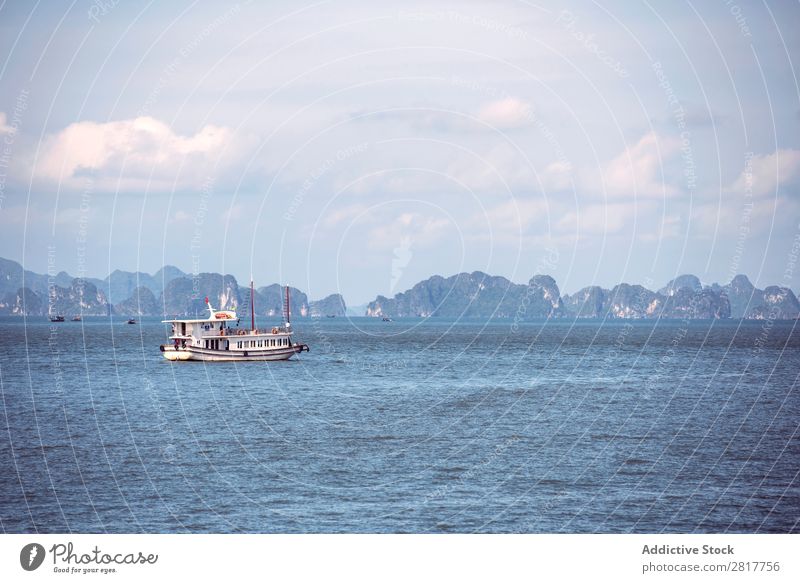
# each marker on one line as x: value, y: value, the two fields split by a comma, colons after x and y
x: 409, y: 426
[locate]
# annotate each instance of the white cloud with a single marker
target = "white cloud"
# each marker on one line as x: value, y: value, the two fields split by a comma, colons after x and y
x: 764, y: 174
x: 128, y: 152
x: 181, y: 216
x: 557, y: 176
x: 334, y: 217
x: 501, y: 168
x: 422, y: 229
x: 506, y: 113
x: 497, y: 169
x: 637, y: 171
x: 500, y: 114
x: 669, y: 227
x: 4, y: 129
x: 597, y: 219
x: 714, y: 219
x: 514, y: 216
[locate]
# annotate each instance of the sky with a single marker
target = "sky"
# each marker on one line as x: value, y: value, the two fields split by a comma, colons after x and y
x: 359, y: 147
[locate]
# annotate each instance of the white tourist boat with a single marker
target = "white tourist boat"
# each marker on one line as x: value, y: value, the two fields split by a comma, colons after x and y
x: 219, y: 337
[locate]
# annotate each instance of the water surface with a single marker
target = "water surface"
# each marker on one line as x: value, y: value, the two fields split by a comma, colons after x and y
x: 408, y: 426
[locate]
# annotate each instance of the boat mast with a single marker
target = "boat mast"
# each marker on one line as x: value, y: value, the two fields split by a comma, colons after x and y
x: 252, y: 308
x: 288, y: 311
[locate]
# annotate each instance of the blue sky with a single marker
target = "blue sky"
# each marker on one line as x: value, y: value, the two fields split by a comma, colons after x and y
x: 360, y: 147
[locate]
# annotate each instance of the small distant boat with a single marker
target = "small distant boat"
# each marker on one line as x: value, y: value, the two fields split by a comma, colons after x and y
x: 386, y: 319
x: 76, y: 318
x: 331, y: 316
x: 56, y: 318
x: 131, y: 320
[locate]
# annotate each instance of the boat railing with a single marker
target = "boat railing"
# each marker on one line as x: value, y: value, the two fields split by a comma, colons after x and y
x: 257, y: 331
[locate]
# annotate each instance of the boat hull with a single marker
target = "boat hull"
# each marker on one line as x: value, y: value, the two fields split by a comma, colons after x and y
x: 210, y: 355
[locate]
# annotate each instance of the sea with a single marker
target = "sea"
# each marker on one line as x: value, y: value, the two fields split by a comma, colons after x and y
x: 411, y: 426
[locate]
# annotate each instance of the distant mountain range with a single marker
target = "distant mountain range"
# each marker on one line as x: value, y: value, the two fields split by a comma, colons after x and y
x: 170, y: 292
x: 484, y: 296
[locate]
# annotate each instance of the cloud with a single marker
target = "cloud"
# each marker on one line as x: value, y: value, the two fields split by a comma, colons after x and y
x: 637, y: 171
x: 669, y: 227
x: 409, y: 226
x: 500, y: 168
x: 501, y: 114
x: 507, y: 113
x: 557, y: 176
x: 495, y: 169
x: 514, y: 217
x: 597, y: 219
x: 722, y: 218
x: 4, y: 129
x: 129, y: 152
x: 765, y: 174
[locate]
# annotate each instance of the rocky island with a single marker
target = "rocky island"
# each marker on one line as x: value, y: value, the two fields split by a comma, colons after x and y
x: 171, y: 292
